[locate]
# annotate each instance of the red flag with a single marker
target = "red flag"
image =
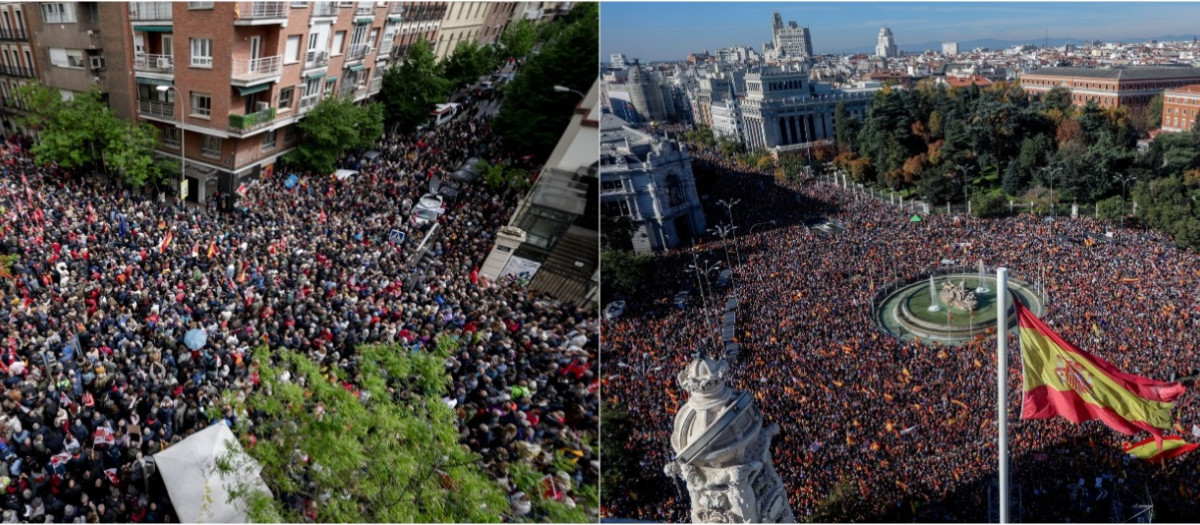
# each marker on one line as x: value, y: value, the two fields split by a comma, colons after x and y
x: 162, y: 246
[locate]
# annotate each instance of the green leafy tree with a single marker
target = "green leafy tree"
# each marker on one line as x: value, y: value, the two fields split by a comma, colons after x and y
x: 1110, y: 208
x: 498, y: 176
x: 985, y: 206
x: 1154, y: 111
x: 533, y: 115
x: 42, y: 103
x: 519, y: 38
x: 333, y: 128
x: 73, y: 133
x: 387, y: 452
x: 1187, y: 233
x: 616, y: 233
x: 625, y: 273
x: 413, y: 88
x: 132, y: 154
x: 467, y: 63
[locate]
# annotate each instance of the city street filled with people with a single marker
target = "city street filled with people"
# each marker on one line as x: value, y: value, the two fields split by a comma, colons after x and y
x: 107, y: 281
x: 879, y: 429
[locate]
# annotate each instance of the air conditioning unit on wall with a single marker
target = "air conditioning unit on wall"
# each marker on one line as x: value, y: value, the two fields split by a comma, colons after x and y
x: 163, y: 63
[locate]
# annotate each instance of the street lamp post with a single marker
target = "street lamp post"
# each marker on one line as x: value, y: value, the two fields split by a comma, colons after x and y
x: 565, y: 89
x: 702, y: 270
x: 723, y: 231
x: 1124, y: 179
x: 729, y: 209
x: 182, y: 134
x: 964, y: 170
x: 1051, y: 174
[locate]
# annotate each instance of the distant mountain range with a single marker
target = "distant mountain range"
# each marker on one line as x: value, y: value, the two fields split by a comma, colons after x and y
x: 994, y: 43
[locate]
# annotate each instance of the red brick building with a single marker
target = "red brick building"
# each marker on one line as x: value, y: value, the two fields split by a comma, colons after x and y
x: 247, y: 73
x: 1179, y: 108
x: 1113, y: 87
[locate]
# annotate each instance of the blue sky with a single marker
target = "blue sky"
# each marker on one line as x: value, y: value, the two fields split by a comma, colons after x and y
x: 670, y: 30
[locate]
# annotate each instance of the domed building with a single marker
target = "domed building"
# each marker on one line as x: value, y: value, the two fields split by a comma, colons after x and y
x: 723, y: 452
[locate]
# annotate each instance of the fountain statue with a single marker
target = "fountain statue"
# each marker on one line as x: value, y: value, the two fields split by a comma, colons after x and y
x: 933, y: 299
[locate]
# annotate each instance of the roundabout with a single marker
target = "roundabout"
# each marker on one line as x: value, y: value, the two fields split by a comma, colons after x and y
x: 952, y: 309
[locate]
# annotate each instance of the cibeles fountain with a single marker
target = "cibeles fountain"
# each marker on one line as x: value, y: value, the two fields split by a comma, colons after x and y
x: 723, y: 452
x: 950, y: 308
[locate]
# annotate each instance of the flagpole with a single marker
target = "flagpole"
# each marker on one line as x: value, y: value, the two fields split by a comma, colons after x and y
x: 1002, y: 384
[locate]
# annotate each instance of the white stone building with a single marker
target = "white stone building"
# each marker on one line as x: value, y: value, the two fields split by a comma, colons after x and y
x: 783, y: 108
x: 886, y: 48
x: 949, y: 48
x: 648, y: 179
x: 727, y: 120
x: 791, y: 40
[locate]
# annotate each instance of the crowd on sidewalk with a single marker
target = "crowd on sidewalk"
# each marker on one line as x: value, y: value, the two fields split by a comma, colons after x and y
x: 107, y: 281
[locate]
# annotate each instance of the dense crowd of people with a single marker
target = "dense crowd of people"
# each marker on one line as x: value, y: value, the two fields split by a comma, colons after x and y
x: 97, y: 377
x: 875, y: 428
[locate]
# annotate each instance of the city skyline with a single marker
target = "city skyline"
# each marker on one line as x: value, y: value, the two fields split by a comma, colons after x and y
x: 655, y: 31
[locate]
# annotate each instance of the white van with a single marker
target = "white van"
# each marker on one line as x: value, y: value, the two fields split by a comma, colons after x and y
x: 444, y: 113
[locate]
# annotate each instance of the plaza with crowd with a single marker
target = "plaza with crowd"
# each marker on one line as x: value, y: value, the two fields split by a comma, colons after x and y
x: 879, y: 429
x: 97, y: 378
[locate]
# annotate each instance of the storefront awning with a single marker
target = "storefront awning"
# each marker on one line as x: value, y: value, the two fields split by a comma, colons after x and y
x: 253, y: 89
x: 153, y: 81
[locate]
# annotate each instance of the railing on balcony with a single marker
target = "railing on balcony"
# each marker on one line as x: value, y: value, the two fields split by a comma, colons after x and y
x: 13, y: 34
x: 257, y: 68
x: 385, y: 48
x: 251, y: 121
x: 364, y: 10
x: 396, y: 8
x: 261, y: 10
x: 376, y: 84
x: 325, y: 9
x: 357, y: 51
x: 309, y: 102
x: 139, y: 11
x: 316, y: 58
x: 155, y: 108
x: 17, y: 71
x: 154, y: 63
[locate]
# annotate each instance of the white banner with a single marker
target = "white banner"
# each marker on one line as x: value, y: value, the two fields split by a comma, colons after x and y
x: 521, y: 269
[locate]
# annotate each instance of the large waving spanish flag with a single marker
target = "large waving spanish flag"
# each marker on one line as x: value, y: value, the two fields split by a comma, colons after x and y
x: 1062, y: 380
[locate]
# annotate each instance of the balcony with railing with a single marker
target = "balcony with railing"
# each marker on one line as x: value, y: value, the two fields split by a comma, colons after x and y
x: 154, y: 108
x: 325, y: 9
x: 154, y: 63
x: 396, y: 8
x: 358, y: 51
x: 249, y: 122
x: 385, y: 48
x: 256, y: 70
x: 376, y: 84
x: 13, y: 35
x: 316, y: 58
x: 365, y: 9
x: 17, y: 71
x: 309, y: 102
x: 259, y: 13
x: 147, y: 11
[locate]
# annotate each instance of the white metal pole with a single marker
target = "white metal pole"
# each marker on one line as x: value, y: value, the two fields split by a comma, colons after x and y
x: 1002, y: 384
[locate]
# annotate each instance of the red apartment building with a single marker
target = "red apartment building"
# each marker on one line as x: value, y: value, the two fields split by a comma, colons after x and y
x: 245, y: 73
x: 1113, y: 87
x: 1179, y: 108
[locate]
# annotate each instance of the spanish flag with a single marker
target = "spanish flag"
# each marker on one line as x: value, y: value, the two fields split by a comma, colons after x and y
x: 162, y: 247
x: 1171, y: 446
x: 212, y: 248
x: 1062, y: 380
